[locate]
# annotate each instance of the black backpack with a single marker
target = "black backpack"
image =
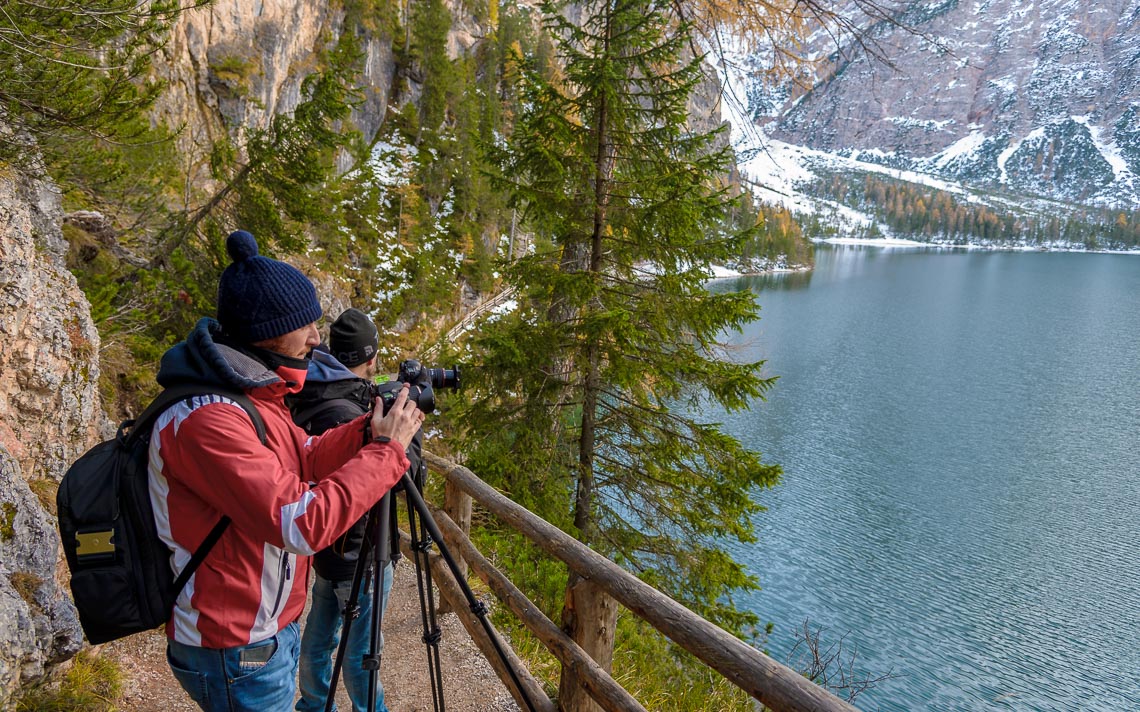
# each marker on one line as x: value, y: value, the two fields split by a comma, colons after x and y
x: 120, y: 570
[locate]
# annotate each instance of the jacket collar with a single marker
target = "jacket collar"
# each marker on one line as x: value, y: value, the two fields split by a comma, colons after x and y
x: 203, y: 358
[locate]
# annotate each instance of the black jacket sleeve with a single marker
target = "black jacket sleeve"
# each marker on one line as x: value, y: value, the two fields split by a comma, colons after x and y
x: 327, y: 414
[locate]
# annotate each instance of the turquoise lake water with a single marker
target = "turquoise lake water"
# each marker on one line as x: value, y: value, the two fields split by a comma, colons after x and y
x: 960, y: 438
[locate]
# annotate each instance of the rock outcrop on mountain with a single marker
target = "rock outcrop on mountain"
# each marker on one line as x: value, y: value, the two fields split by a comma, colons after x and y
x: 235, y: 67
x: 1039, y: 98
x: 49, y: 414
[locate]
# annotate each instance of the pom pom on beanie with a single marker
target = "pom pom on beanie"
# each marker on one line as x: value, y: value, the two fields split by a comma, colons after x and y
x: 241, y: 246
x: 261, y: 298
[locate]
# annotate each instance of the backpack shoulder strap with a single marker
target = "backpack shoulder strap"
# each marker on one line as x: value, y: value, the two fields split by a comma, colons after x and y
x: 170, y: 396
x: 251, y: 410
x: 143, y: 423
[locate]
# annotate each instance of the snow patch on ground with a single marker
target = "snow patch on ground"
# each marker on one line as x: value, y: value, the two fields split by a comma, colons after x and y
x: 1004, y: 83
x: 720, y: 272
x: 967, y: 146
x: 1106, y: 146
x: 784, y: 165
x: 1005, y: 155
x: 878, y: 242
x: 928, y: 124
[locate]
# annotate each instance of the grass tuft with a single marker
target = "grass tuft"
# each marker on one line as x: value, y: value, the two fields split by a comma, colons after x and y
x: 27, y: 584
x: 90, y: 684
x: 7, y: 521
x: 45, y: 490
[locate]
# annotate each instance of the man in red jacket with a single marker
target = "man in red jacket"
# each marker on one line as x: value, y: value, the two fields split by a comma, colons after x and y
x: 233, y: 636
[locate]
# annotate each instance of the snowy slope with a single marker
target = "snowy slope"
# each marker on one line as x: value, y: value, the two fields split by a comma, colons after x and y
x: 1035, y: 98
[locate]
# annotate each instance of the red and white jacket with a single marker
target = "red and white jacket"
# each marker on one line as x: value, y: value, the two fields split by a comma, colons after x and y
x: 286, y: 500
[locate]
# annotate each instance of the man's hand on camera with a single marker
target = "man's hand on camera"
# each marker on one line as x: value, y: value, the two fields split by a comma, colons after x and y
x: 401, y: 422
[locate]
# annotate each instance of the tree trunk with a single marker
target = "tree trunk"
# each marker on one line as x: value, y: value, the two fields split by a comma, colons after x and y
x: 590, y: 618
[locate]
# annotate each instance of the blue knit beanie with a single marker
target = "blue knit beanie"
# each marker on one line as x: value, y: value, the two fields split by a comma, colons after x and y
x: 260, y: 298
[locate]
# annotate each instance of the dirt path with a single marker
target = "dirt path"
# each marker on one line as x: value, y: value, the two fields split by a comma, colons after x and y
x: 469, y: 683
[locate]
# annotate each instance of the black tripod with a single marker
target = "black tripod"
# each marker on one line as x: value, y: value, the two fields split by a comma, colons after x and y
x: 380, y: 547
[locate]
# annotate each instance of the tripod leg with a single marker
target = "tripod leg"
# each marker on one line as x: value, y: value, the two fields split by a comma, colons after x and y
x: 351, y: 610
x: 416, y: 500
x: 381, y: 557
x: 394, y: 533
x: 420, y: 546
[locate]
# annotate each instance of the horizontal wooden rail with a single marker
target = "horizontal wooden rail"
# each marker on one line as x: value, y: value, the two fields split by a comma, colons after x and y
x: 776, y: 686
x: 602, y: 688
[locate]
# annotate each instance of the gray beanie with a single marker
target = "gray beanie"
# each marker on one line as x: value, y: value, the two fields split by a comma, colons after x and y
x: 353, y: 338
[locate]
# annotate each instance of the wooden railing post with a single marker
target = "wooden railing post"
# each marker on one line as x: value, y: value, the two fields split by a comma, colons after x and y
x: 589, y: 617
x: 457, y: 504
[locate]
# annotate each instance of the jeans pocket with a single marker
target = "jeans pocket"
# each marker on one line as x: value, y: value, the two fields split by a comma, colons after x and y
x: 267, y: 686
x: 252, y: 659
x: 196, y: 684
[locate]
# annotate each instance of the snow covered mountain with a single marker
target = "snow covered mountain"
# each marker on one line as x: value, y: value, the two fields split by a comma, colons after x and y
x: 1037, y: 98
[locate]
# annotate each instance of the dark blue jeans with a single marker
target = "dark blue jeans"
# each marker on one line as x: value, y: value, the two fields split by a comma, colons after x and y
x: 321, y: 638
x: 259, y: 677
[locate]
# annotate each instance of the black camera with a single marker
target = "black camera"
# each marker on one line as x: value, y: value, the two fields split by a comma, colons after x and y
x: 422, y: 381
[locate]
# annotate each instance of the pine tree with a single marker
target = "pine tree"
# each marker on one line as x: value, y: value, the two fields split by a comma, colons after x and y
x: 591, y: 404
x: 430, y: 25
x: 72, y: 69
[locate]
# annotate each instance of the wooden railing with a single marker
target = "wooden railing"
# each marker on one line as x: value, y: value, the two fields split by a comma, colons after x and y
x: 469, y: 318
x: 778, y: 687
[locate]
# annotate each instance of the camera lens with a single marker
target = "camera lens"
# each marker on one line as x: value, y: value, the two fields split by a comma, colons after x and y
x: 444, y: 377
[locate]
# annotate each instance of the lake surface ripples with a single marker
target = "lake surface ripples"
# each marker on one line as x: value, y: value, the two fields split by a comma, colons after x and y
x: 960, y: 434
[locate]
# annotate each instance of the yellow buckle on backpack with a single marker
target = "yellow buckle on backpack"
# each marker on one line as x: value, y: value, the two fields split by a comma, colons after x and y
x: 100, y: 543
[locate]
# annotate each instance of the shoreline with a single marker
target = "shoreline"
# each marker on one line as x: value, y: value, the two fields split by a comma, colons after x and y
x: 721, y: 272
x: 898, y: 242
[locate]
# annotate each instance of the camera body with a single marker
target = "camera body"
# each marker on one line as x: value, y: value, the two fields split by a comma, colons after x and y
x: 421, y: 380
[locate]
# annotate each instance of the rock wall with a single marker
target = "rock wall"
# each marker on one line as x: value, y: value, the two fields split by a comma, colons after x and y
x: 233, y: 66
x: 49, y: 415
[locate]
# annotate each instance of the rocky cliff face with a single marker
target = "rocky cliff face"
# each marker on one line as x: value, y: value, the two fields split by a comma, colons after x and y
x: 1035, y: 97
x: 49, y: 414
x: 233, y: 66
x: 230, y: 67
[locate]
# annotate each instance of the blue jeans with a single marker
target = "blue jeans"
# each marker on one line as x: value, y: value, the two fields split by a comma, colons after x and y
x: 320, y: 640
x: 259, y: 677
